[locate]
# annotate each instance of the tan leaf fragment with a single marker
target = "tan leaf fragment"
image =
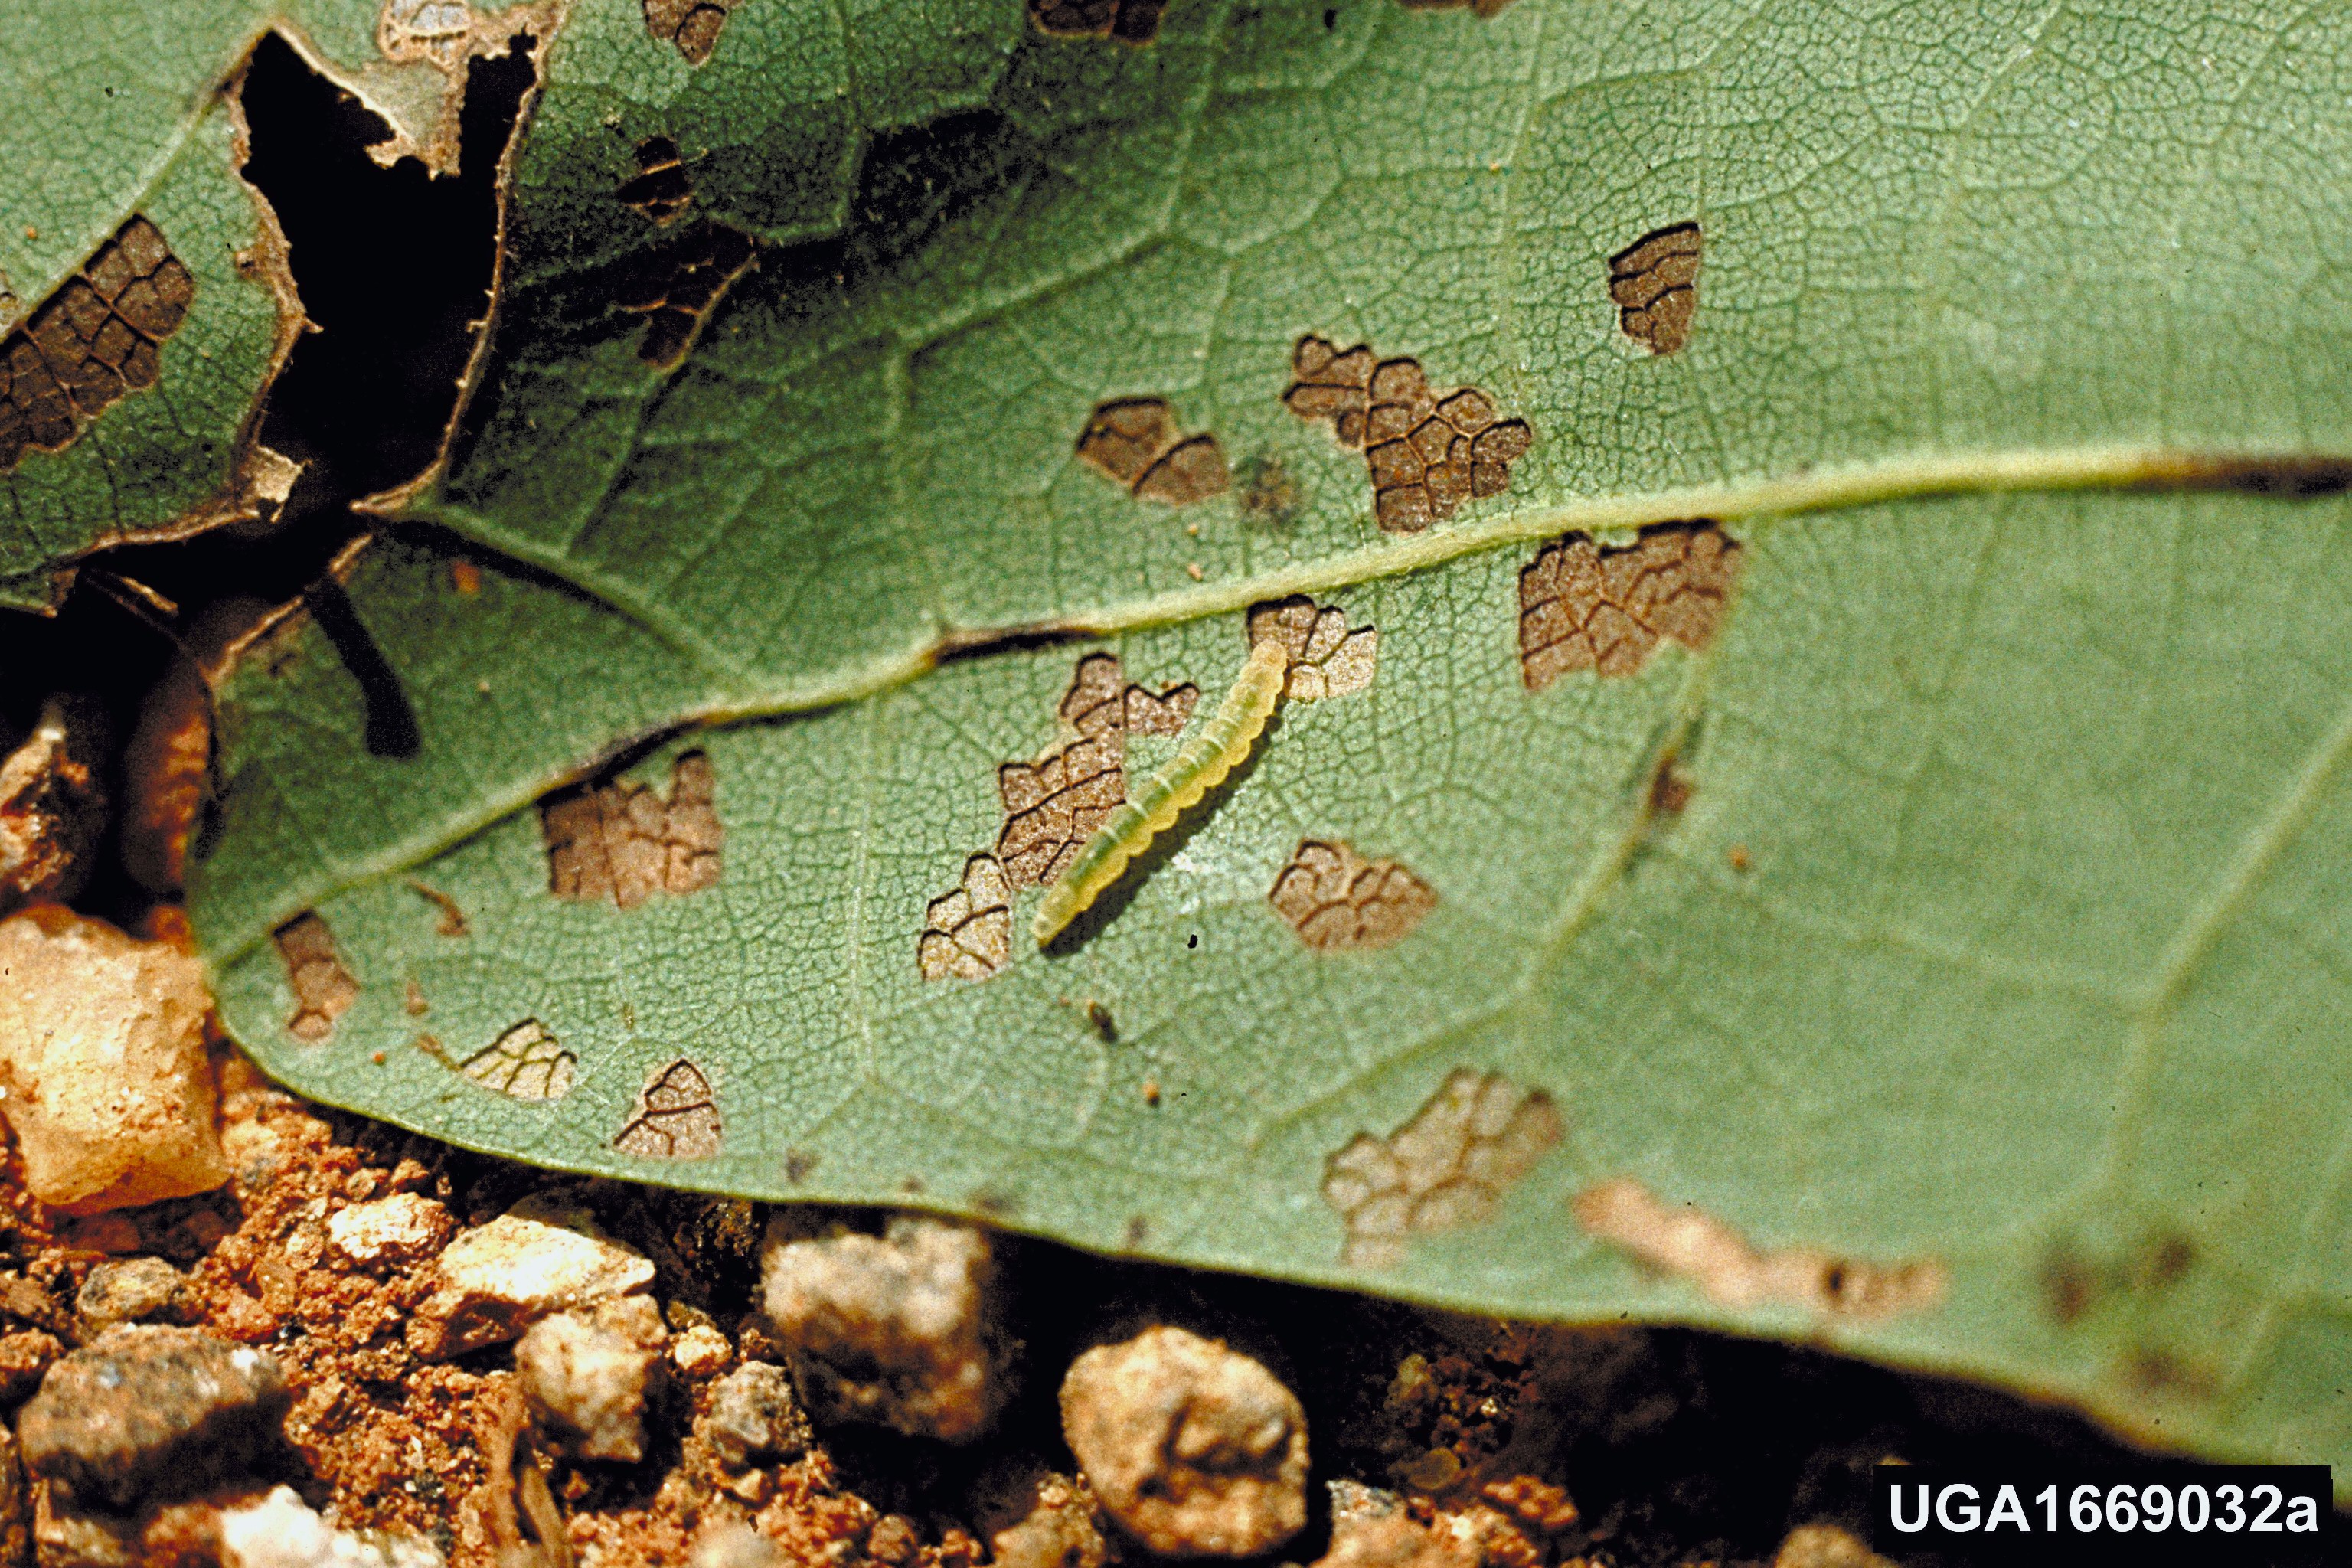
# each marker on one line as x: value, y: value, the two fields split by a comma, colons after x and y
x: 1447, y: 1167
x: 1129, y: 21
x: 1692, y: 1245
x: 621, y: 841
x: 693, y: 25
x: 1053, y: 806
x: 677, y: 283
x: 1427, y: 455
x: 52, y: 810
x: 1336, y: 899
x: 1654, y: 282
x: 103, y: 1073
x: 968, y: 933
x: 1327, y: 658
x: 660, y: 188
x: 1135, y: 441
x: 1606, y: 608
x: 99, y: 337
x: 323, y: 989
x: 675, y: 1117
x: 524, y: 1063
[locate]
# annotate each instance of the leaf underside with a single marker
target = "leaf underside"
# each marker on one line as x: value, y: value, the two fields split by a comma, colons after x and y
x: 1953, y: 913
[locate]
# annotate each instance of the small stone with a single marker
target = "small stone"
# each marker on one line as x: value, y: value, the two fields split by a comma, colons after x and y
x: 541, y: 1255
x: 103, y: 1072
x: 125, y: 1292
x: 52, y: 809
x: 1057, y: 1531
x: 1393, y: 1540
x: 754, y: 1415
x: 587, y: 1376
x: 701, y: 1352
x: 283, y: 1532
x: 148, y: 1408
x: 25, y: 1357
x: 730, y: 1544
x: 895, y: 1330
x: 399, y: 1229
x: 893, y: 1541
x: 1826, y: 1546
x: 1195, y: 1449
x: 15, y: 1504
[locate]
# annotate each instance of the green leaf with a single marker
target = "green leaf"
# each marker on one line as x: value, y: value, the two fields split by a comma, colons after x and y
x: 1951, y: 913
x: 133, y: 417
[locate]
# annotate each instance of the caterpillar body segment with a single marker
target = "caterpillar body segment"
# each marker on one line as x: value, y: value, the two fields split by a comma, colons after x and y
x: 1198, y: 767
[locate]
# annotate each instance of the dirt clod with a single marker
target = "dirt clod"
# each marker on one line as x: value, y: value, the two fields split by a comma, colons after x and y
x: 1194, y: 1449
x: 895, y: 1329
x: 283, y: 1532
x: 587, y: 1376
x: 107, y: 1084
x: 126, y: 1290
x: 400, y: 1228
x: 149, y: 1409
x: 542, y: 1256
x: 1058, y: 1529
x: 1826, y: 1546
x: 52, y: 810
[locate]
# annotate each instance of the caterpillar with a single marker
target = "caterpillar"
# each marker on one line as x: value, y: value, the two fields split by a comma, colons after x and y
x: 1200, y: 765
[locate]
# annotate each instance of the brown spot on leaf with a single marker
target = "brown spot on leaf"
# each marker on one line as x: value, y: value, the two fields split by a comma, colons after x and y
x: 621, y: 841
x: 464, y: 576
x: 1670, y: 788
x: 414, y: 1002
x: 694, y: 25
x: 323, y: 989
x: 524, y: 1063
x: 676, y: 284
x: 1483, y: 9
x: 1269, y: 495
x: 659, y: 189
x: 1327, y: 658
x: 1686, y: 1242
x: 1446, y: 1168
x: 1655, y: 281
x: 1129, y: 21
x: 1336, y: 899
x: 453, y: 919
x: 968, y: 933
x: 1427, y: 454
x: 97, y: 338
x: 798, y: 1165
x: 1135, y: 441
x: 1053, y: 806
x: 2161, y: 1374
x: 1606, y: 608
x: 675, y: 1117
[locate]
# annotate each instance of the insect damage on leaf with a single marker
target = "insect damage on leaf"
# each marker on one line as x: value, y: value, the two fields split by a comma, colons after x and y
x: 1447, y: 1167
x: 968, y: 933
x: 1129, y: 21
x: 675, y: 1117
x: 1336, y: 899
x: 452, y: 922
x: 694, y: 25
x: 323, y: 989
x: 1654, y: 282
x: 1053, y: 806
x: 1482, y: 9
x: 1327, y: 658
x: 621, y: 841
x: 1135, y: 441
x: 97, y: 338
x: 676, y: 284
x: 1584, y: 605
x: 659, y: 189
x: 524, y: 1063
x: 1427, y: 455
x: 1692, y: 1245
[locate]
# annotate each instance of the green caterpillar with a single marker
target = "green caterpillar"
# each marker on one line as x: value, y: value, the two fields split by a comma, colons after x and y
x: 1199, y: 767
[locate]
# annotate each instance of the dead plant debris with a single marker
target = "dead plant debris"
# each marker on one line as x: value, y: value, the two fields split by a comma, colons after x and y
x: 620, y: 841
x: 675, y: 1117
x: 98, y: 337
x: 1691, y: 1244
x: 1606, y: 608
x: 1447, y: 1167
x: 1427, y: 455
x: 1136, y: 442
x: 1338, y: 900
x: 1655, y: 283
